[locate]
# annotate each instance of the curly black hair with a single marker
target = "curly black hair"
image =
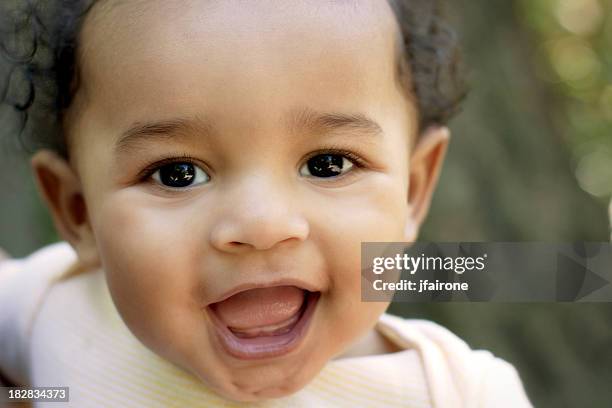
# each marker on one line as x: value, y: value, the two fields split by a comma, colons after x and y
x: 40, y: 73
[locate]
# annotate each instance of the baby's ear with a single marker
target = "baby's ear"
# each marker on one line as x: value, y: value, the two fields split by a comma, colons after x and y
x: 426, y: 162
x: 61, y: 190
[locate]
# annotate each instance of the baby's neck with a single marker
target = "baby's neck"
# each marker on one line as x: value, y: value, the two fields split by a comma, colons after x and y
x: 373, y: 343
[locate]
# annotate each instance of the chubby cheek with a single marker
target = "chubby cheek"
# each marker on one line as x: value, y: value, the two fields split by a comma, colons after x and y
x: 148, y: 259
x: 376, y: 212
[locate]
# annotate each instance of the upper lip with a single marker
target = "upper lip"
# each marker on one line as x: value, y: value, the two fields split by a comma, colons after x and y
x: 255, y: 285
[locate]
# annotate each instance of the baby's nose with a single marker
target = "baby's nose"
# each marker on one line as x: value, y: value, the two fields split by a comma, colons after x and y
x: 260, y: 214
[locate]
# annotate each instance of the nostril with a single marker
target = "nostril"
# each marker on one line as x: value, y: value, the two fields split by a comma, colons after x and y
x: 260, y: 233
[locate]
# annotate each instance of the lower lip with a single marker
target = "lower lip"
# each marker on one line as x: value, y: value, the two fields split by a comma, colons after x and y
x: 266, y: 346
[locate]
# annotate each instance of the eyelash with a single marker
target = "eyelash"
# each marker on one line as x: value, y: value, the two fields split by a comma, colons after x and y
x: 146, y: 173
x: 357, y: 160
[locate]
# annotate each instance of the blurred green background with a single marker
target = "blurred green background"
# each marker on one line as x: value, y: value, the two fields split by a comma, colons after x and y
x: 530, y: 160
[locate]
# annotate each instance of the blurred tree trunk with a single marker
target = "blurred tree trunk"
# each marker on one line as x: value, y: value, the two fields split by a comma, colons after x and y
x: 509, y: 175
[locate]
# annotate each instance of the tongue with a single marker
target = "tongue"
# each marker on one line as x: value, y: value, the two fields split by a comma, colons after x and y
x: 260, y: 307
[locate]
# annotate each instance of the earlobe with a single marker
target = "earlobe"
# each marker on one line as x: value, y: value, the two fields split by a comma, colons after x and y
x: 425, y: 164
x: 61, y: 190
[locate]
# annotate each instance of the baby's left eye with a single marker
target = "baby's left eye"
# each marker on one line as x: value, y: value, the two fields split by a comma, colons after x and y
x: 326, y: 165
x: 180, y: 175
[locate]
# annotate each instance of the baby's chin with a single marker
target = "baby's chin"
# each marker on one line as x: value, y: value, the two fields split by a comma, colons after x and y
x: 259, y: 393
x: 269, y: 383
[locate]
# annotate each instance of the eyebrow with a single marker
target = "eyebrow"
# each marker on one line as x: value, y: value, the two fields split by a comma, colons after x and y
x: 299, y: 120
x: 315, y: 122
x: 160, y: 130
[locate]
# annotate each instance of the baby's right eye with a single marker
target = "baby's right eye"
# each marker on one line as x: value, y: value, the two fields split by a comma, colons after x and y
x: 180, y: 175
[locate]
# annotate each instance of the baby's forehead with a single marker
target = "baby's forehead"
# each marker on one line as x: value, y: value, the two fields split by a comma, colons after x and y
x: 173, y: 57
x: 113, y: 26
x: 371, y: 12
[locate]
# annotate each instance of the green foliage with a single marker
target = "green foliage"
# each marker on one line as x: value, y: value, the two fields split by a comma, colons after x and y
x: 531, y: 160
x: 575, y: 39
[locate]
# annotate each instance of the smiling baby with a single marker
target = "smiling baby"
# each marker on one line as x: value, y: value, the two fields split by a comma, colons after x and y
x: 213, y: 167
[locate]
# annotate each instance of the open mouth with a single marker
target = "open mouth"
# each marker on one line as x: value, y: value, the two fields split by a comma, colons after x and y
x: 263, y: 322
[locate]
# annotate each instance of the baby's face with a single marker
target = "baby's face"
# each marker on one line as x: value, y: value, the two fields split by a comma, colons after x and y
x: 233, y: 156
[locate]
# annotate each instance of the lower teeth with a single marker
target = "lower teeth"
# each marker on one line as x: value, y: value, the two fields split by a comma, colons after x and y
x: 277, y: 332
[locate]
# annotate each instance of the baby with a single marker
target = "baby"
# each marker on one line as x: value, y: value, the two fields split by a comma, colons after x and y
x: 214, y: 167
